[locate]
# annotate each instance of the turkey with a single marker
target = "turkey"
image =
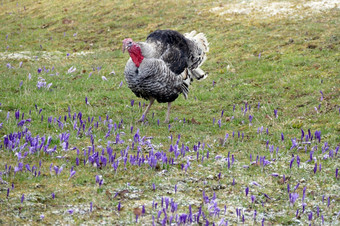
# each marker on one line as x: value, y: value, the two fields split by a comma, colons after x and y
x: 162, y: 67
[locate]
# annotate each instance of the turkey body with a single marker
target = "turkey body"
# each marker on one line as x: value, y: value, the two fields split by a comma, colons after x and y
x: 153, y: 79
x: 162, y: 67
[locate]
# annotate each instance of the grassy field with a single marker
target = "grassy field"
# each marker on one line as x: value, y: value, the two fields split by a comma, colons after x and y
x: 256, y: 142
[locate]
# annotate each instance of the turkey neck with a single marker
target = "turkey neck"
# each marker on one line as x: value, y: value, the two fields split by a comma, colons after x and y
x: 136, y: 54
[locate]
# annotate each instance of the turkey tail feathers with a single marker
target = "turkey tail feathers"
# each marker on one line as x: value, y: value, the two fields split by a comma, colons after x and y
x: 198, y: 74
x: 199, y: 39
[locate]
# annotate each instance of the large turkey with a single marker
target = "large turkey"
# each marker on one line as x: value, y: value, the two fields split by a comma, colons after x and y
x: 162, y: 67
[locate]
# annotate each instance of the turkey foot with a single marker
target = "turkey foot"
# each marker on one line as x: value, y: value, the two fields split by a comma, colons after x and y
x: 168, y: 114
x: 143, y: 118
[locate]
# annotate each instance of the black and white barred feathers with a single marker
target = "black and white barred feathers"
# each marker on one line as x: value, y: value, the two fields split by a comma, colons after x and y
x: 164, y: 65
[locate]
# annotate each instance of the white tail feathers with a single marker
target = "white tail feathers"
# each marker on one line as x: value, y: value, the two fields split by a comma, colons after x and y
x: 198, y: 74
x: 199, y: 39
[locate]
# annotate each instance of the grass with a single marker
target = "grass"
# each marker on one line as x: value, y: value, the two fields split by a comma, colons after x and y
x: 282, y: 63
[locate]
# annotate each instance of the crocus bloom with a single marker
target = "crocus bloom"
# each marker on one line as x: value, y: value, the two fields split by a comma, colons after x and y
x: 22, y: 198
x: 247, y: 190
x: 293, y: 197
x: 253, y: 198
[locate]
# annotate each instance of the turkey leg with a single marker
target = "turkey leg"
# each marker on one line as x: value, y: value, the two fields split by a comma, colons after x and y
x: 147, y: 110
x: 168, y: 113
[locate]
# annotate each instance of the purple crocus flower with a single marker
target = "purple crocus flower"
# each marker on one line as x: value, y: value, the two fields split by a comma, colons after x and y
x: 119, y: 206
x: 293, y: 197
x: 298, y: 161
x: 91, y: 205
x: 153, y: 186
x: 70, y: 211
x: 310, y: 216
x: 53, y: 195
x: 321, y: 98
x: 39, y: 70
x: 253, y: 198
x: 304, y: 193
x: 315, y: 168
x: 275, y: 113
x: 291, y: 162
x: 22, y: 198
x: 72, y: 173
x: 336, y: 173
x: 247, y: 191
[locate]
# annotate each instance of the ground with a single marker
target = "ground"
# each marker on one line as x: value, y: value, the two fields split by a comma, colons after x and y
x: 256, y: 142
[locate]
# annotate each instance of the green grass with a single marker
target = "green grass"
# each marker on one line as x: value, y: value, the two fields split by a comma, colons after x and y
x: 298, y: 59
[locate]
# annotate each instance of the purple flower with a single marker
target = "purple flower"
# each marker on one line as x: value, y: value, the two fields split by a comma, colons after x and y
x: 250, y: 118
x: 275, y: 113
x: 119, y: 206
x: 71, y: 70
x: 104, y: 78
x: 293, y: 197
x: 291, y: 162
x: 310, y: 216
x: 72, y: 173
x: 39, y: 70
x: 153, y: 186
x: 298, y: 161
x: 315, y: 168
x: 336, y: 173
x: 321, y: 98
x: 70, y: 211
x: 253, y: 198
x: 91, y: 205
x: 304, y: 193
x: 294, y: 144
x: 22, y: 198
x: 247, y: 191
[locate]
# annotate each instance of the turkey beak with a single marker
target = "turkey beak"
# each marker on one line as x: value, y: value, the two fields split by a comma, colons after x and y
x: 126, y: 46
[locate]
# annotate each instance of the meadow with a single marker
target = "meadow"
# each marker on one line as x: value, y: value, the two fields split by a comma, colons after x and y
x: 257, y: 141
